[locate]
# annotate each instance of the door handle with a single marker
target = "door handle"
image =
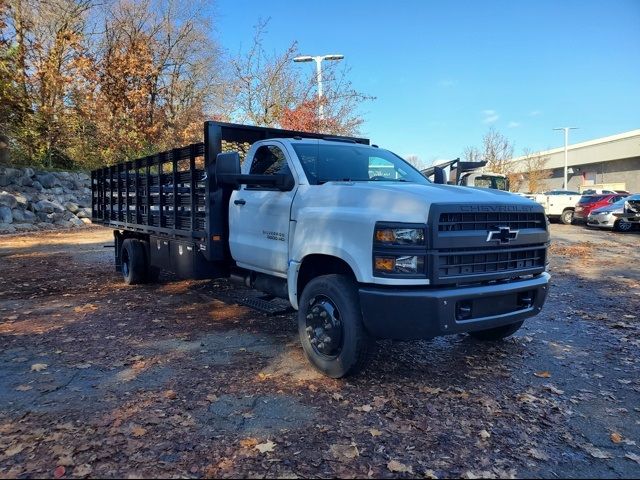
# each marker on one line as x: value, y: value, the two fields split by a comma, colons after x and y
x: 241, y: 201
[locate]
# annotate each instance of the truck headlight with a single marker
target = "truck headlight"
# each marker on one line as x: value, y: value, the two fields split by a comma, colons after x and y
x: 399, y: 236
x: 411, y: 264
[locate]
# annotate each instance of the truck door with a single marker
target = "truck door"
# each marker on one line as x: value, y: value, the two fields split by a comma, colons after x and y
x: 259, y: 215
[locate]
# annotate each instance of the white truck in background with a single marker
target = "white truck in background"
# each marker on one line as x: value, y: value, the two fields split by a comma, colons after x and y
x: 558, y: 204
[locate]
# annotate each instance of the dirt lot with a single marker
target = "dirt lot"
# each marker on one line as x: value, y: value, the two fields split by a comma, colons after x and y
x: 177, y: 379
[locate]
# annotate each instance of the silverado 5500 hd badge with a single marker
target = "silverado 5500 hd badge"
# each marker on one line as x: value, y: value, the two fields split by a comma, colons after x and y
x: 274, y: 235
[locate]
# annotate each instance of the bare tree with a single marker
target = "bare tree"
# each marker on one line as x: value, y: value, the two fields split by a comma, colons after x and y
x: 535, y: 170
x: 415, y: 161
x: 496, y: 150
x: 472, y: 154
x: 271, y: 90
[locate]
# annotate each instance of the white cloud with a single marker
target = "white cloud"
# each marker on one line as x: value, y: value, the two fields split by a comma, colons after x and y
x: 535, y: 113
x: 513, y: 124
x: 490, y: 116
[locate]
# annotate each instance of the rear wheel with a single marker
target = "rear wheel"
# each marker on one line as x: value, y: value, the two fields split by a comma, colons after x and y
x: 499, y: 333
x: 330, y: 326
x: 567, y: 217
x: 622, y: 226
x: 133, y: 262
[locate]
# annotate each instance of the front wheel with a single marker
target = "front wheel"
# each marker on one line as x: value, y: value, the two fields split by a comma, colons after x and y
x: 567, y: 217
x: 330, y: 325
x: 622, y: 226
x: 498, y: 333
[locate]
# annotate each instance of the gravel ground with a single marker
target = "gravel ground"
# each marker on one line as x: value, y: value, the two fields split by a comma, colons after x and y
x: 176, y: 379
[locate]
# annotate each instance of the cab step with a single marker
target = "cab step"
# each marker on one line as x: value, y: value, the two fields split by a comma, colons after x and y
x: 266, y: 304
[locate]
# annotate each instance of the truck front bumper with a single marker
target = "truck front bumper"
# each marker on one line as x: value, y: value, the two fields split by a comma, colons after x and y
x: 411, y: 314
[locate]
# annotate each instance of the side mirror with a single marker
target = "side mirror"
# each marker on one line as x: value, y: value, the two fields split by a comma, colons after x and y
x: 439, y: 176
x: 285, y: 182
x: 227, y: 169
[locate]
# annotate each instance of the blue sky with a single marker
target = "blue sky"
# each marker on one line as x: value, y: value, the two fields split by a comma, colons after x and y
x: 444, y: 72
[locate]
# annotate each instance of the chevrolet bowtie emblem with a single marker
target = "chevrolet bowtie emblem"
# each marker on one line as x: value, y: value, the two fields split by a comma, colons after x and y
x: 502, y: 234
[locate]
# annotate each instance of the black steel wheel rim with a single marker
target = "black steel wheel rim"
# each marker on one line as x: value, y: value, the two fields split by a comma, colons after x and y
x: 624, y: 226
x: 324, y: 327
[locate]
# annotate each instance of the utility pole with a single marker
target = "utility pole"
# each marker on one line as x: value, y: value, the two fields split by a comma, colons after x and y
x: 318, y: 59
x: 566, y: 145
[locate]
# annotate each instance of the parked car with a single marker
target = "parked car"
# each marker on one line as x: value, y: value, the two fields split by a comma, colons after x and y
x: 588, y: 203
x: 631, y: 210
x: 604, y: 217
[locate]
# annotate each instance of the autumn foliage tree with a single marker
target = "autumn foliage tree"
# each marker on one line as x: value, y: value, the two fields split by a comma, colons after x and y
x: 85, y: 83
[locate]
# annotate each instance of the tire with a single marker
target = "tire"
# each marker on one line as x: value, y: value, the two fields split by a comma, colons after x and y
x: 153, y: 273
x: 622, y: 226
x: 495, y: 334
x: 133, y: 260
x: 567, y: 217
x: 330, y: 308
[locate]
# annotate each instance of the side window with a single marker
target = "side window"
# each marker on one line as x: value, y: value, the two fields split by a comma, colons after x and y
x: 379, y: 167
x: 268, y: 160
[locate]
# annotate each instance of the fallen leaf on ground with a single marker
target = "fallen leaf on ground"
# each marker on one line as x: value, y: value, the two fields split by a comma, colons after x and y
x: 345, y: 451
x: 23, y: 388
x: 170, y: 394
x: 138, y: 431
x: 537, y: 454
x: 616, y: 437
x: 397, y: 467
x: 82, y: 470
x: 553, y: 389
x: 364, y: 408
x: 11, y: 451
x: 38, y: 367
x: 431, y: 475
x: 484, y: 434
x: 543, y: 374
x: 59, y: 472
x: 375, y: 432
x: 596, y: 452
x: 268, y: 446
x: 634, y: 457
x: 430, y: 391
x: 248, y: 442
x: 527, y: 398
x: 337, y: 397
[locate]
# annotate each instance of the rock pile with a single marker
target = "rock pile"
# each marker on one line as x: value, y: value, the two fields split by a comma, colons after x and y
x: 37, y: 200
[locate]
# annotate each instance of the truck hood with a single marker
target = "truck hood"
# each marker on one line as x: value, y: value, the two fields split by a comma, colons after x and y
x: 440, y: 193
x: 401, y: 202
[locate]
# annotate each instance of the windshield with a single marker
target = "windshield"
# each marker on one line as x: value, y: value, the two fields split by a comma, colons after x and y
x: 356, y: 163
x: 491, y: 181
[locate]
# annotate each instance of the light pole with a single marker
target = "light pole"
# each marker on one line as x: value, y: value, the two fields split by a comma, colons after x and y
x: 566, y: 144
x: 318, y: 59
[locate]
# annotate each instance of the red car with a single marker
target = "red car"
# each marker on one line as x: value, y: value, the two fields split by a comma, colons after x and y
x: 587, y: 203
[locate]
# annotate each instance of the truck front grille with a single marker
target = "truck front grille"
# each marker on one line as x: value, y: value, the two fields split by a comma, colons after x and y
x: 457, y: 264
x: 462, y: 248
x: 460, y: 221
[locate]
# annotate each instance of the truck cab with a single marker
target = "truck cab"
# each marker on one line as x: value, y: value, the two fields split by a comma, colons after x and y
x: 359, y: 242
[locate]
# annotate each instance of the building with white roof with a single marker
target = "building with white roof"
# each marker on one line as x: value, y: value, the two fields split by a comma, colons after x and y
x: 611, y: 162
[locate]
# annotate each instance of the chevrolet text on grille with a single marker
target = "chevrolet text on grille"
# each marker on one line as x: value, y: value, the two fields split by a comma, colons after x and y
x: 495, y: 208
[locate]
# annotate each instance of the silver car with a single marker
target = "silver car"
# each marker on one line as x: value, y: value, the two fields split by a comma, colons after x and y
x: 603, y: 217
